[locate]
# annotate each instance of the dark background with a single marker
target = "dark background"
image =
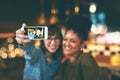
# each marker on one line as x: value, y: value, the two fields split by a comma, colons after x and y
x: 15, y: 12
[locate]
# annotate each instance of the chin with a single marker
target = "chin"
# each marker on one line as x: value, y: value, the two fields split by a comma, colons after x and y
x: 52, y: 51
x: 66, y: 53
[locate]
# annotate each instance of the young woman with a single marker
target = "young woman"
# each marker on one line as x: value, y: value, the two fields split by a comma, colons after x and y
x: 41, y: 62
x: 78, y: 65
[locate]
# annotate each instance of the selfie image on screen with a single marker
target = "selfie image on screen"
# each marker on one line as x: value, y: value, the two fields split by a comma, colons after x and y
x: 38, y: 32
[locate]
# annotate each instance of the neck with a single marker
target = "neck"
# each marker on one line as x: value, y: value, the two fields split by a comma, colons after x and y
x: 72, y: 57
x: 48, y: 57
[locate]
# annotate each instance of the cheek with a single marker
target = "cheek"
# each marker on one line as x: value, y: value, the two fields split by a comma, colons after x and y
x: 46, y: 44
x: 76, y: 46
x: 63, y: 42
x: 57, y: 42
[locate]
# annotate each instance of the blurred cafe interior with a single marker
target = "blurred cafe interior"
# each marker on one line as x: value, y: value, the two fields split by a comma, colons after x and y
x: 104, y: 35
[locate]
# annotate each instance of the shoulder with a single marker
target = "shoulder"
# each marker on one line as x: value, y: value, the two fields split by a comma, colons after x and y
x: 87, y: 58
x: 89, y: 67
x: 37, y: 55
x: 37, y: 51
x: 86, y: 55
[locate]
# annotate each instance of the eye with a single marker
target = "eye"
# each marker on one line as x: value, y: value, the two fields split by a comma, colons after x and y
x: 74, y: 41
x: 57, y: 37
x: 64, y: 39
x: 49, y: 37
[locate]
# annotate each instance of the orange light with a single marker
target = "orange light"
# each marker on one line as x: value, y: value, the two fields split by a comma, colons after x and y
x: 6, y: 35
x: 115, y: 60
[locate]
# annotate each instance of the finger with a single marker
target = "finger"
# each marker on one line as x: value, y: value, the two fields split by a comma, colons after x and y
x: 22, y: 41
x: 22, y: 36
x: 18, y: 40
x: 23, y: 25
x: 25, y: 41
x: 19, y: 31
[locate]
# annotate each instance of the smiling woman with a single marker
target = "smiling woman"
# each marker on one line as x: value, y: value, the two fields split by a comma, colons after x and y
x: 78, y: 65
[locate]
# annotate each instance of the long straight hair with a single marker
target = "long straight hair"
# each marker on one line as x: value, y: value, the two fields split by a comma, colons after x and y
x: 54, y: 30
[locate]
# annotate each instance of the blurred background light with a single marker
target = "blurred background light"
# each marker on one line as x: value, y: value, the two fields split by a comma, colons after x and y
x: 92, y: 8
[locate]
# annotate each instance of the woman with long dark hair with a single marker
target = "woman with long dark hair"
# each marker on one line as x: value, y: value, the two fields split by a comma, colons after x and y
x: 41, y: 62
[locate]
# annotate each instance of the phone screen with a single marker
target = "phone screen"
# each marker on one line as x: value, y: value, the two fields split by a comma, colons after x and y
x: 36, y: 32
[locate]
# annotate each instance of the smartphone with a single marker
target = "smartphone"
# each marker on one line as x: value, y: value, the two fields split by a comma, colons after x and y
x: 36, y: 32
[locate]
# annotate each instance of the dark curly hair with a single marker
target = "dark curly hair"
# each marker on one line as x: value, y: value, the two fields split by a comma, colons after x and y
x: 80, y: 25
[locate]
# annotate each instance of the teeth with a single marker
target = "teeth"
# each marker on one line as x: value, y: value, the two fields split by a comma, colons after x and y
x: 53, y: 47
x: 67, y: 48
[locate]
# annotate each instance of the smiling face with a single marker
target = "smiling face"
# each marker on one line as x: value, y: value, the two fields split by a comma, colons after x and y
x: 52, y: 43
x: 38, y: 32
x: 71, y: 43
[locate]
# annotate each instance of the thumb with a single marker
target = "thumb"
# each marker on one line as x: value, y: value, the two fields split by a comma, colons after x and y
x: 23, y: 25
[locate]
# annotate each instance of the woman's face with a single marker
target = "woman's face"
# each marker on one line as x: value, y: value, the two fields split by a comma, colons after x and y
x: 52, y: 43
x: 71, y: 43
x: 38, y: 32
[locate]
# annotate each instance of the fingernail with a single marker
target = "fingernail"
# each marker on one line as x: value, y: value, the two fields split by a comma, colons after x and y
x: 24, y: 25
x: 22, y: 28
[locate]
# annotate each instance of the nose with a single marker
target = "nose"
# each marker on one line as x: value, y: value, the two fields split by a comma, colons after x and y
x: 53, y: 41
x: 67, y: 43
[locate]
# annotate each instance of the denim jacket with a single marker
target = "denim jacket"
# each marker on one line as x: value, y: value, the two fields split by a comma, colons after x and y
x: 36, y: 66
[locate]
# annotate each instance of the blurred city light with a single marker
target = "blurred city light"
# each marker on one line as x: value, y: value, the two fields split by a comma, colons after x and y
x: 92, y: 8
